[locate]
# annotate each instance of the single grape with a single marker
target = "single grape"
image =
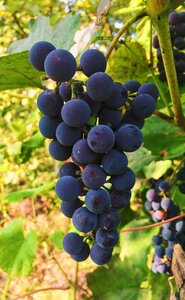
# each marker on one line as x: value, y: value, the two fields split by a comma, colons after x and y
x: 84, y: 220
x: 114, y: 162
x: 167, y: 234
x: 101, y: 139
x: 99, y: 255
x: 151, y: 195
x: 159, y: 251
x: 179, y: 225
x: 129, y: 138
x: 100, y: 86
x: 157, y: 240
x: 120, y: 200
x: 58, y: 151
x: 65, y: 91
x: 67, y: 135
x: 156, y: 205
x: 161, y: 268
x: 48, y: 125
x: 76, y: 113
x: 68, y: 208
x: 165, y: 203
x: 109, y: 219
x: 50, y: 103
x: 179, y: 43
x: 149, y: 89
x: 174, y: 18
x: 143, y: 106
x: 164, y: 186
x: 182, y: 16
x: 82, y: 153
x: 132, y: 86
x: 123, y: 182
x: 118, y: 97
x: 72, y: 243
x: 93, y: 176
x: 148, y: 206
x: 38, y: 53
x: 107, y: 239
x: 97, y: 201
x: 83, y: 254
x: 110, y: 117
x: 169, y: 252
x: 69, y: 168
x: 92, y: 61
x: 68, y: 188
x: 180, y: 29
x: 60, y: 65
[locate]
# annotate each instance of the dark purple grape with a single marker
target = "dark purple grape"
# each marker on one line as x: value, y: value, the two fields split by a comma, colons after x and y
x: 129, y: 138
x: 157, y: 240
x: 93, y: 176
x: 149, y: 89
x: 156, y: 205
x: 109, y: 219
x: 68, y: 188
x: 50, y: 103
x: 132, y: 86
x: 58, y: 151
x: 165, y: 203
x: 151, y: 195
x: 72, y: 243
x: 68, y: 208
x: 129, y: 118
x: 169, y: 252
x: 120, y: 200
x: 94, y: 105
x: 118, y: 97
x: 182, y: 16
x: 179, y: 42
x: 38, y: 53
x: 164, y: 186
x: 65, y: 91
x: 84, y: 220
x: 159, y: 251
x: 110, y: 117
x: 92, y: 61
x: 101, y: 139
x: 83, y: 254
x: 82, y: 153
x: 179, y: 225
x: 107, y: 239
x: 99, y: 255
x: 114, y: 162
x: 155, y: 42
x: 167, y: 234
x: 148, y: 205
x: 174, y: 18
x: 123, y: 182
x: 48, y: 125
x: 143, y: 106
x: 69, y: 168
x: 97, y: 201
x: 60, y: 65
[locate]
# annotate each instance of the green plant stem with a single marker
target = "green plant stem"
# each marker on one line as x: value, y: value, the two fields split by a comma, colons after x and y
x: 162, y: 28
x: 75, y: 282
x: 7, y: 285
x: 132, y: 20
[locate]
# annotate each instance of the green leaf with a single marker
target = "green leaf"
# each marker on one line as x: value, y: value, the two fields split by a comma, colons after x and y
x: 16, y: 72
x: 139, y: 159
x: 56, y: 237
x: 177, y: 197
x: 159, y: 286
x: 61, y: 35
x: 36, y: 141
x: 161, y: 136
x: 19, y: 195
x: 17, y: 252
x: 157, y: 168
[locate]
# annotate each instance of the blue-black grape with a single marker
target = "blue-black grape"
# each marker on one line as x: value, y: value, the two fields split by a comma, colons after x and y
x: 93, y: 176
x: 107, y: 239
x: 38, y: 53
x: 181, y: 174
x: 101, y: 139
x: 123, y: 182
x: 72, y: 243
x: 69, y: 168
x: 65, y: 91
x: 92, y: 61
x: 110, y: 117
x: 179, y: 225
x: 129, y: 118
x: 157, y: 240
x: 167, y: 234
x: 132, y: 86
x: 179, y: 43
x: 100, y: 86
x: 169, y: 252
x: 83, y: 254
x: 60, y: 65
x: 120, y: 200
x: 50, y: 103
x: 99, y: 255
x: 118, y: 97
x: 150, y: 89
x: 48, y: 125
x: 82, y: 153
x: 109, y: 219
x: 68, y: 188
x: 129, y: 138
x: 67, y: 135
x: 76, y: 113
x: 182, y: 16
x: 68, y: 208
x: 155, y: 42
x: 164, y: 186
x: 84, y: 220
x: 174, y: 18
x: 156, y: 205
x: 114, y: 162
x: 159, y: 251
x: 94, y: 105
x: 97, y: 201
x: 143, y: 106
x: 58, y: 151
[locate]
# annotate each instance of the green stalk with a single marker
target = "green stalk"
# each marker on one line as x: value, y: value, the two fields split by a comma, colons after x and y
x: 162, y: 28
x: 6, y: 288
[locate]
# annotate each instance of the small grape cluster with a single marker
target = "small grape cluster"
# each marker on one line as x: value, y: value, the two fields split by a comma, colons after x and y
x: 93, y: 130
x: 177, y: 31
x: 181, y: 179
x: 161, y: 207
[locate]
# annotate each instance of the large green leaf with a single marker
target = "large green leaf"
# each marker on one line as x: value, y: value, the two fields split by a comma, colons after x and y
x: 35, y: 141
x: 140, y: 159
x: 19, y: 195
x: 17, y: 252
x: 61, y: 35
x: 161, y: 136
x: 16, y: 72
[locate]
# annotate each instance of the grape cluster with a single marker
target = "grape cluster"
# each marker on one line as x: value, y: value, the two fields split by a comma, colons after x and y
x: 177, y: 31
x: 181, y: 180
x: 161, y: 207
x: 92, y: 127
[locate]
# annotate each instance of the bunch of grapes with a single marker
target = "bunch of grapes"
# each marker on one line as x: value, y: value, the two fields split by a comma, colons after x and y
x: 91, y: 124
x: 161, y: 207
x: 177, y: 31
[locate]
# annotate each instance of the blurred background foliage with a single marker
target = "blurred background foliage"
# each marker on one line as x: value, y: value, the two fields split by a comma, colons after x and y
x: 30, y: 221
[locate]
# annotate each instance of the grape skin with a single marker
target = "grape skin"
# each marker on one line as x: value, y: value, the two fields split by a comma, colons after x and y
x: 143, y: 106
x: 82, y: 153
x: 149, y: 89
x: 60, y: 65
x: 67, y: 135
x: 58, y: 151
x: 123, y: 182
x: 83, y: 254
x: 97, y: 201
x: 65, y: 91
x: 100, y: 256
x: 93, y: 176
x: 107, y: 239
x: 70, y: 169
x: 48, y: 125
x: 38, y: 53
x: 114, y: 162
x: 118, y: 97
x: 76, y: 113
x: 84, y: 220
x: 68, y: 188
x: 110, y: 117
x: 132, y: 86
x: 101, y: 139
x: 120, y: 200
x: 109, y: 219
x: 72, y: 243
x: 68, y: 208
x: 129, y: 138
x: 50, y: 103
x: 92, y: 61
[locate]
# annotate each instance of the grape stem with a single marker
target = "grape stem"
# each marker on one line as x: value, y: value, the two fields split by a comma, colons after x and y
x: 153, y: 225
x: 163, y: 31
x: 132, y: 20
